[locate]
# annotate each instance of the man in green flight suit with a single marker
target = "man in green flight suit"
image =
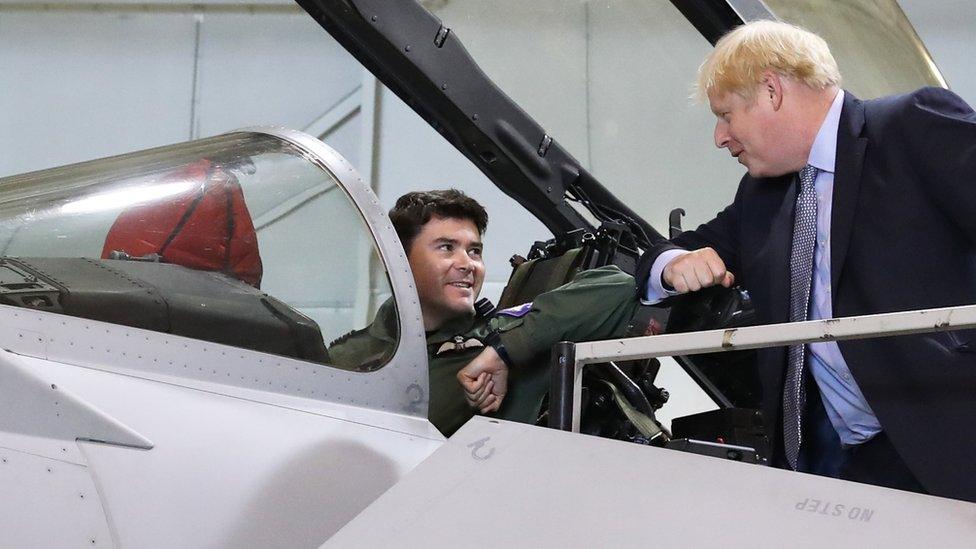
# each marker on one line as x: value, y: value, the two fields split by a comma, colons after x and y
x: 471, y: 354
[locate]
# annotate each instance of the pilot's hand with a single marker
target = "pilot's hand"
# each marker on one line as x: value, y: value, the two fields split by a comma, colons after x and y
x: 695, y: 270
x: 485, y: 381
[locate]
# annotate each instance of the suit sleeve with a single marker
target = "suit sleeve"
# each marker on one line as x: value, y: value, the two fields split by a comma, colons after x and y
x: 596, y: 304
x: 721, y: 234
x: 940, y: 134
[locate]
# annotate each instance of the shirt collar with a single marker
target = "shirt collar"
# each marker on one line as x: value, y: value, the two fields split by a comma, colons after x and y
x: 456, y: 326
x: 824, y: 150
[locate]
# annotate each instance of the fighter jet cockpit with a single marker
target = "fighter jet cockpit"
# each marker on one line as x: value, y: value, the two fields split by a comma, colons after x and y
x: 241, y: 239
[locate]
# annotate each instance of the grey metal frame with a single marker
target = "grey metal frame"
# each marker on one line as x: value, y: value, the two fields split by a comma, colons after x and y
x: 569, y: 359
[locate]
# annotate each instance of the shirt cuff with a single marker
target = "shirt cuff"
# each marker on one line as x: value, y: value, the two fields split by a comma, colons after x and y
x: 655, y: 288
x: 520, y: 349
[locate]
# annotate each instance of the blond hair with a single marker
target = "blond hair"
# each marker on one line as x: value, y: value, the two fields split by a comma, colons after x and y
x: 737, y: 63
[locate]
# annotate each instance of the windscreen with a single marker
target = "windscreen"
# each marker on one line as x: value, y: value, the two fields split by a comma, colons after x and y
x: 241, y: 239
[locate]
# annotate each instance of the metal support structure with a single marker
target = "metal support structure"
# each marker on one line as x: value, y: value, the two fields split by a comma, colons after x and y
x: 570, y: 359
x: 563, y: 372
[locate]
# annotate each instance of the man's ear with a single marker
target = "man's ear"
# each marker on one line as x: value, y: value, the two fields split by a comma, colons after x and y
x: 772, y: 89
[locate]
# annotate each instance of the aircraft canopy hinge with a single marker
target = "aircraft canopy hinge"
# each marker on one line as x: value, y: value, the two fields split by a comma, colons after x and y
x: 441, y: 36
x: 544, y: 146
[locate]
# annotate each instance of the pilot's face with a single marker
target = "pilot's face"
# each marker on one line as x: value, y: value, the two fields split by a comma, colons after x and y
x: 446, y: 261
x: 754, y: 131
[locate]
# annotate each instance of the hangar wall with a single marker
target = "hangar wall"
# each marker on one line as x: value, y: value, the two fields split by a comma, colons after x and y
x: 88, y: 80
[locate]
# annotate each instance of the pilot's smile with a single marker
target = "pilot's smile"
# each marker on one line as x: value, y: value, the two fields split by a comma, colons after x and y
x: 463, y: 287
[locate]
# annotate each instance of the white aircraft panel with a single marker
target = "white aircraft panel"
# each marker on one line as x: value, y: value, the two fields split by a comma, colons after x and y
x: 50, y: 416
x: 230, y: 472
x: 49, y: 503
x: 513, y: 485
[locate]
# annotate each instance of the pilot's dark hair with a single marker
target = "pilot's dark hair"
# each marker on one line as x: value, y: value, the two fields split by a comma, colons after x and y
x: 414, y: 209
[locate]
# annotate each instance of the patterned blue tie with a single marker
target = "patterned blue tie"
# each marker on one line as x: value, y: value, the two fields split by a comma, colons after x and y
x: 801, y: 275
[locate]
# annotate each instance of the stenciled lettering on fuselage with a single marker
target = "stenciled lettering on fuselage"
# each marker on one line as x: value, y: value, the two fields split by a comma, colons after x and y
x: 831, y: 509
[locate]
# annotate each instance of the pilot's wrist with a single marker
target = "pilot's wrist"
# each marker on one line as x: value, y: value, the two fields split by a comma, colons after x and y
x: 494, y: 340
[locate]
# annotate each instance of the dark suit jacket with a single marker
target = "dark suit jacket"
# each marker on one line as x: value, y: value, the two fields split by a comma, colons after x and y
x: 903, y: 231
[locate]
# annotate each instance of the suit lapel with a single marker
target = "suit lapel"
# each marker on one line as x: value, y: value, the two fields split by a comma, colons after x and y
x: 775, y: 255
x: 777, y: 252
x: 847, y: 184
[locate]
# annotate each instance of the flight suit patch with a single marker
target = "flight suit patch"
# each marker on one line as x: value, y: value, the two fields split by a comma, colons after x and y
x: 518, y: 311
x: 458, y: 343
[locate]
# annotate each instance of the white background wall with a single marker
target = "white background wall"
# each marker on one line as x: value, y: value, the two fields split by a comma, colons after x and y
x: 82, y: 81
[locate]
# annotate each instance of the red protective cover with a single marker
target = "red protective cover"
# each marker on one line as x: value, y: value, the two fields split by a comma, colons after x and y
x: 207, y: 227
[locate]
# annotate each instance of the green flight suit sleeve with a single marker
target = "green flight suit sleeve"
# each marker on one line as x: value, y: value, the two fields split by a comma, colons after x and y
x: 596, y: 304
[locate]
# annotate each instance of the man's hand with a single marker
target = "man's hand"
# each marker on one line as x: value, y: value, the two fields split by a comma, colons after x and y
x: 695, y: 270
x: 485, y: 381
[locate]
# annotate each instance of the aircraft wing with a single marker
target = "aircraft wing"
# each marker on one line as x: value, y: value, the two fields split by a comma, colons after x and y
x: 502, y: 484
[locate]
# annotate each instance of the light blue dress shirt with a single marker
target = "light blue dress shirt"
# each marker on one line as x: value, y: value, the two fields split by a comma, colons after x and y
x: 846, y: 407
